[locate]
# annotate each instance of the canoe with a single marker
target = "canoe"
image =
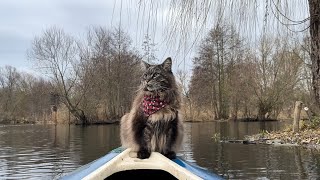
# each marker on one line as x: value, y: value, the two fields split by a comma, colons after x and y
x: 124, y: 164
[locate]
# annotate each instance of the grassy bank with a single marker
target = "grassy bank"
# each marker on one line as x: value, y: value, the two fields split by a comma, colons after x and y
x: 308, y: 135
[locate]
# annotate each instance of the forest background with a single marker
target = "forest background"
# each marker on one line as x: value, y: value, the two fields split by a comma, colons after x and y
x: 93, y: 78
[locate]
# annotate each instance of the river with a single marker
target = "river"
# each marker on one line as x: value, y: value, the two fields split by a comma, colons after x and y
x: 49, y: 152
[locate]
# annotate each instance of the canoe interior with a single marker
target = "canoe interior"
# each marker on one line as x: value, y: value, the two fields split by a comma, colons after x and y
x: 142, y: 174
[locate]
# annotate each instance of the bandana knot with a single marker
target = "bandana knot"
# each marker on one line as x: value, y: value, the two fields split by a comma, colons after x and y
x: 152, y: 104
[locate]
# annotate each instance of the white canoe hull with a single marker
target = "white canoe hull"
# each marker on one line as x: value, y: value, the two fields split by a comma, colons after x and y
x: 120, y: 160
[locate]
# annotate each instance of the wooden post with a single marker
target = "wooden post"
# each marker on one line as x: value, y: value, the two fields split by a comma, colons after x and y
x: 296, y: 116
x: 54, y: 113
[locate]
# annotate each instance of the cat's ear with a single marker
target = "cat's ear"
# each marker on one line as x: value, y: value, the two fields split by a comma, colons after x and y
x: 167, y: 64
x: 146, y: 65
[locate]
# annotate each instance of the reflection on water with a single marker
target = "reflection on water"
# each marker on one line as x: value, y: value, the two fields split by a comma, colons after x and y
x: 46, y: 152
x: 238, y: 161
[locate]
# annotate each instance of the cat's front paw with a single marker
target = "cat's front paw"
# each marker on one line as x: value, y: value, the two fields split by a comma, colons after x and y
x: 170, y: 155
x: 143, y: 154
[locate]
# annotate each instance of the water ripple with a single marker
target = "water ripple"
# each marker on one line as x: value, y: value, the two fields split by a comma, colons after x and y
x: 46, y: 152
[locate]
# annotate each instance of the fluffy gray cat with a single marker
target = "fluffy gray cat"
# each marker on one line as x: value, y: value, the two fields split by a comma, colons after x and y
x: 154, y: 123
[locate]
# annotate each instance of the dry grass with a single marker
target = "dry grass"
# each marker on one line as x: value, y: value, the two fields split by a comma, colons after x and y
x: 309, y: 135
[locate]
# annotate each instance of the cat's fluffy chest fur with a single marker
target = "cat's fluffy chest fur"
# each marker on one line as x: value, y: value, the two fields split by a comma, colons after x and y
x: 162, y: 129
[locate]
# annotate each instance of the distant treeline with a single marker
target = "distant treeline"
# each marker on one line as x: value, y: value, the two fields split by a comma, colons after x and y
x: 23, y: 97
x: 93, y: 79
x: 233, y: 80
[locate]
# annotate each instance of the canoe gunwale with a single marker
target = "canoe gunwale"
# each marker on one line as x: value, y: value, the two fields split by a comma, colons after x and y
x: 122, y: 159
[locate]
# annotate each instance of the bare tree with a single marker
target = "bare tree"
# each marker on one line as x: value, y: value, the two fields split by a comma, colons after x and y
x: 229, y: 77
x: 276, y: 75
x: 56, y: 53
x: 111, y: 69
x: 184, y: 79
x: 213, y: 67
x: 23, y: 97
x: 291, y: 16
x: 10, y: 81
x: 314, y: 10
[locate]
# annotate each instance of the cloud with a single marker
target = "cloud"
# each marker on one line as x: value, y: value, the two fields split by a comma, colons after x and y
x: 23, y: 20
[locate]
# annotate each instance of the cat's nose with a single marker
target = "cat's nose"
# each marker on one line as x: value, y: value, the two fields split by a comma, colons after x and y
x: 147, y: 87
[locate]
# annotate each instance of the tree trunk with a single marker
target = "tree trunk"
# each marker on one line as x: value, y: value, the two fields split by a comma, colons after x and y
x: 190, y: 109
x: 264, y: 108
x: 78, y: 113
x: 80, y: 116
x: 234, y: 111
x: 314, y: 8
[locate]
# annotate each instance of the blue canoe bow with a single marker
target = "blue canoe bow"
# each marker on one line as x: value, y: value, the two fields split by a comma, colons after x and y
x: 122, y: 160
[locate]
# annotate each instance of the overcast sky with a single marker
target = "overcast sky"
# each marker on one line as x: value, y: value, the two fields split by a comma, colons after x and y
x: 22, y: 20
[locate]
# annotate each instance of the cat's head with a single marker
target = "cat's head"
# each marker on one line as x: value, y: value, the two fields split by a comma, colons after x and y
x: 158, y: 78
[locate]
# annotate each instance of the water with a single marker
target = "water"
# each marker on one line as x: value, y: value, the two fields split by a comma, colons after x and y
x: 46, y: 152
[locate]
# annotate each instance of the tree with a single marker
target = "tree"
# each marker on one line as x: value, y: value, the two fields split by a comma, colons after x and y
x: 23, y: 97
x: 305, y: 91
x: 57, y: 54
x: 10, y: 80
x: 229, y: 77
x: 213, y: 69
x: 314, y: 10
x: 184, y: 78
x: 35, y: 104
x: 112, y: 72
x: 190, y: 16
x: 276, y: 75
x: 94, y: 78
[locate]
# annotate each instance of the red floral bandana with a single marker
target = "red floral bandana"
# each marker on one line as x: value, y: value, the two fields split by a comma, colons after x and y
x: 152, y: 104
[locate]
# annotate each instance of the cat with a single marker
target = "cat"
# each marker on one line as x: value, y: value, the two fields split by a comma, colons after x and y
x: 154, y: 123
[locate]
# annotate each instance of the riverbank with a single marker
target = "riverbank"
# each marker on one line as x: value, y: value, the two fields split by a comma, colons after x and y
x: 16, y: 121
x: 308, y: 136
x: 28, y: 121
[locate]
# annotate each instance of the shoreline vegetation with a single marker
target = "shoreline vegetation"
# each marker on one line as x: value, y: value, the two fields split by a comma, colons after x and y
x: 65, y: 120
x: 307, y: 136
x: 62, y: 116
x: 93, y: 81
x: 115, y: 121
x: 301, y: 132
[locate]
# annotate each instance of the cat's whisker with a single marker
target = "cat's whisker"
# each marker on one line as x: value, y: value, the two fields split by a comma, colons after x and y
x: 140, y: 88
